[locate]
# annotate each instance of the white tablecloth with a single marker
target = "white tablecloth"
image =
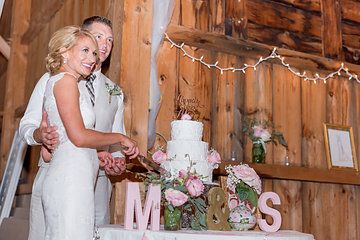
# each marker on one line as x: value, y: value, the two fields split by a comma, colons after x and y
x: 117, y: 232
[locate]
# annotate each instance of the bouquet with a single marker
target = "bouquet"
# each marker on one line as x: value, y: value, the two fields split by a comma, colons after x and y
x: 244, y: 182
x: 183, y: 192
x: 263, y: 132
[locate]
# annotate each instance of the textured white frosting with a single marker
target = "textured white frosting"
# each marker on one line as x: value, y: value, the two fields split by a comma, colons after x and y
x: 186, y: 146
x: 186, y: 130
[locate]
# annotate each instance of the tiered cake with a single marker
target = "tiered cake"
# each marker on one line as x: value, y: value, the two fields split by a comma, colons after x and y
x: 187, y: 150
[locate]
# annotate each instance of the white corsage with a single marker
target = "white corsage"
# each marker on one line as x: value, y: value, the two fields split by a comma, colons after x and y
x: 113, y: 90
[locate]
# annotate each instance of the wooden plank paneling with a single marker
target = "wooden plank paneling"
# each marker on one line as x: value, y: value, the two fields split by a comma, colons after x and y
x: 116, y: 15
x: 331, y: 30
x: 236, y: 19
x: 350, y: 10
x: 223, y: 104
x: 258, y: 102
x: 168, y: 76
x: 238, y: 47
x: 287, y: 119
x: 16, y: 75
x: 282, y: 16
x: 287, y: 114
x: 284, y: 39
x: 351, y: 41
x: 194, y: 78
x: 135, y: 74
x: 309, y: 5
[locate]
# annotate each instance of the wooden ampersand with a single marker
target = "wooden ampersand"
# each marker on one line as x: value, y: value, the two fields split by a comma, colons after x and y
x: 218, y: 212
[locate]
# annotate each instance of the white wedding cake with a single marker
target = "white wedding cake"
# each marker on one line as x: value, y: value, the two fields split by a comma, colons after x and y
x: 186, y: 150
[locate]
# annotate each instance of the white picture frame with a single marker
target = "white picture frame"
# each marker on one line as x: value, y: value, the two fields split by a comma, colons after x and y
x: 340, y: 147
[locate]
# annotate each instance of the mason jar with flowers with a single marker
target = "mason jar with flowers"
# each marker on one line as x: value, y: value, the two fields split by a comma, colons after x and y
x: 260, y: 133
x: 182, y: 193
x: 244, y: 186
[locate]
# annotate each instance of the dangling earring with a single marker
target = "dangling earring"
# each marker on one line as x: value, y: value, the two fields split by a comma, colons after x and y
x: 65, y: 61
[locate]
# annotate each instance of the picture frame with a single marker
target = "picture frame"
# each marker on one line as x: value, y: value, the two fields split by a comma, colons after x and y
x: 340, y: 147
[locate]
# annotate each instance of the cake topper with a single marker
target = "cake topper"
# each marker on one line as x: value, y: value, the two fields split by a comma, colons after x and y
x: 189, y: 106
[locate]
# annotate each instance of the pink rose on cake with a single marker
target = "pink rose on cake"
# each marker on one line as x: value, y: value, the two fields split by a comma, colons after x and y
x: 159, y: 157
x: 214, y: 158
x: 183, y: 173
x: 186, y: 117
x: 194, y: 186
x: 175, y: 197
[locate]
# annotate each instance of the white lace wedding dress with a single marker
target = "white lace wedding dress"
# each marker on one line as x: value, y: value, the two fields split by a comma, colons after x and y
x: 68, y: 191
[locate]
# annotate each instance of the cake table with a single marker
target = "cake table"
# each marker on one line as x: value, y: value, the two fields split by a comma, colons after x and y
x: 116, y: 232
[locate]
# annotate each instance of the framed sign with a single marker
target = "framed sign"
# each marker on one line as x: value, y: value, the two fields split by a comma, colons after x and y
x: 340, y: 147
x: 11, y: 175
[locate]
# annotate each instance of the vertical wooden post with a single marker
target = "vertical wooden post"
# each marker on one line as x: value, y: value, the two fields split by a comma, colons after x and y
x: 331, y: 29
x: 135, y: 53
x: 16, y: 76
x: 135, y: 67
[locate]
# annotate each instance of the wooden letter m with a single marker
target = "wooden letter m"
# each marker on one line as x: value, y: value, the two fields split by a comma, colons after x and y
x: 133, y: 204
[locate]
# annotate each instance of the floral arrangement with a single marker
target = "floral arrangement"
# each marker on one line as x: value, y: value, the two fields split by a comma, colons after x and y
x: 184, y: 192
x: 245, y: 184
x: 263, y: 132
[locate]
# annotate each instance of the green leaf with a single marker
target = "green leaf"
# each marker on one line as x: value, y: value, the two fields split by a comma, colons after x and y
x: 246, y: 193
x: 171, y: 208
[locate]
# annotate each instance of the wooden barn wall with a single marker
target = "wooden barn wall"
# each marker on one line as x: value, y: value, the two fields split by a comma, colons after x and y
x: 69, y: 12
x: 45, y: 17
x: 44, y: 21
x: 297, y: 107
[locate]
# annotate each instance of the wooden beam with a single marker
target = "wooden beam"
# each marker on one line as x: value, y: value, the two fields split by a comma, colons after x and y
x: 331, y: 29
x: 4, y: 48
x: 16, y: 76
x: 249, y: 49
x: 135, y: 73
x: 46, y: 12
x: 270, y: 171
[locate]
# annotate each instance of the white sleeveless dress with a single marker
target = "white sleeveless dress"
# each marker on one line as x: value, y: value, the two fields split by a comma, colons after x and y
x: 68, y: 190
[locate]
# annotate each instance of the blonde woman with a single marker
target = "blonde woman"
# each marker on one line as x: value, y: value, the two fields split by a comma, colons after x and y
x: 68, y: 190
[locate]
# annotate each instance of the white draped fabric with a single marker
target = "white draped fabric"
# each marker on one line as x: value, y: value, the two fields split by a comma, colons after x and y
x: 162, y: 12
x: 115, y: 232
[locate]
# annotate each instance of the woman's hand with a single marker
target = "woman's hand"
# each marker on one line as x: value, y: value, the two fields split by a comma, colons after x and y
x: 45, y: 154
x: 105, y: 158
x: 130, y: 147
x: 112, y: 166
x: 117, y: 167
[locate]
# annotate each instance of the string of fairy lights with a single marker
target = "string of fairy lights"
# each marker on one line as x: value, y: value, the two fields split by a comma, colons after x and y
x: 274, y: 55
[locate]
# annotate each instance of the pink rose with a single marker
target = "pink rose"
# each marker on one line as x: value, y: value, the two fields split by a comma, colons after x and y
x: 248, y: 176
x: 185, y: 117
x: 182, y: 173
x: 262, y: 133
x: 175, y: 197
x: 194, y: 186
x: 233, y: 203
x: 159, y: 157
x: 214, y: 157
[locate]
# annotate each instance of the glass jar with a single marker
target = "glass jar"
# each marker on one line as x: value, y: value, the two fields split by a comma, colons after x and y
x: 172, y: 218
x: 258, y: 152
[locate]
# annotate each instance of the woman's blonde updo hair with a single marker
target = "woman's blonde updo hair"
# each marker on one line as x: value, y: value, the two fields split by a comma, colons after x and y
x: 61, y: 41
